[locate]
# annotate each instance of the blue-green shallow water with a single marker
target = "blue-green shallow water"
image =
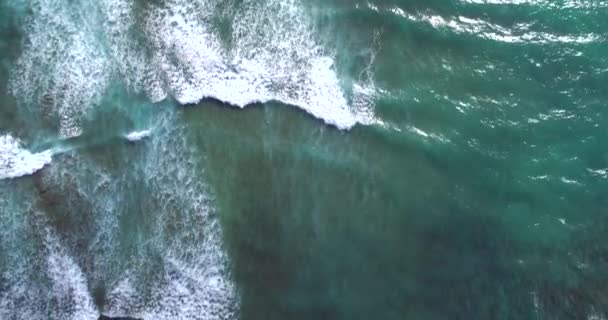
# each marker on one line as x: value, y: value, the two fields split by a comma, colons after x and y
x: 473, y: 186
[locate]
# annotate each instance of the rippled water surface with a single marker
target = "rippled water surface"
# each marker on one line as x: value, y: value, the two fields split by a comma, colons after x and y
x: 284, y: 159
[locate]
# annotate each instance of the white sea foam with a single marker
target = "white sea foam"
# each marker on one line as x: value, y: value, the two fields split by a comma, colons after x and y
x: 17, y: 162
x: 182, y: 291
x: 63, y: 70
x: 138, y: 135
x: 20, y: 297
x: 189, y: 277
x: 272, y: 56
x: 192, y: 282
x: 74, y: 48
x: 70, y: 291
x: 40, y: 278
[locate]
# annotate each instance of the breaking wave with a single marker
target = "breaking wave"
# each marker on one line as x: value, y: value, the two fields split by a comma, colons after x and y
x: 17, y: 162
x: 239, y: 52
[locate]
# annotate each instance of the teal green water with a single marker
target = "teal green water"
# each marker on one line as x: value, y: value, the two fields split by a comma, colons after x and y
x: 393, y: 159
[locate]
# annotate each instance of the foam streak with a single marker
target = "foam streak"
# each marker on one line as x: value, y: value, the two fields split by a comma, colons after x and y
x: 17, y: 162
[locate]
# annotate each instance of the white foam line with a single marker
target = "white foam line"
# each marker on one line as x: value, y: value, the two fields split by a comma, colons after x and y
x: 135, y: 136
x: 63, y: 69
x: 17, y: 162
x: 273, y: 61
x: 271, y: 56
x: 192, y: 283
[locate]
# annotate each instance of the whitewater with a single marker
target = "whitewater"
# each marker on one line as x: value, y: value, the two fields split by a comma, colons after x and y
x: 176, y: 50
x: 283, y: 159
x: 17, y: 162
x: 189, y: 277
x: 74, y: 53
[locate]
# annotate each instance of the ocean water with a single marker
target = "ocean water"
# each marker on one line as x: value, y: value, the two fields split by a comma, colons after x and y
x: 284, y: 159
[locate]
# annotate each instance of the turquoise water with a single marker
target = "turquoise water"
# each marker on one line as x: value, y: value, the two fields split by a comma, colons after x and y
x: 303, y: 160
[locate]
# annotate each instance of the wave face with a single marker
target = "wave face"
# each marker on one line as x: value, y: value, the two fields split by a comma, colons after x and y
x: 239, y: 52
x: 17, y: 162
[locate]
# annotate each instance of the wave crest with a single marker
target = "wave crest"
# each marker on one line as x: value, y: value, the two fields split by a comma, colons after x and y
x: 239, y: 52
x: 17, y: 162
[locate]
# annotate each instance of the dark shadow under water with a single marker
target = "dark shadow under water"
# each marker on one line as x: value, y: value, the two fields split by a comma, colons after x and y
x: 325, y: 224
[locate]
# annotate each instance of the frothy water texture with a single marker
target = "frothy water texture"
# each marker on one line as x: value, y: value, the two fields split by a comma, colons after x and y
x: 17, y: 162
x: 393, y: 159
x: 176, y: 49
x: 172, y: 265
x: 138, y: 135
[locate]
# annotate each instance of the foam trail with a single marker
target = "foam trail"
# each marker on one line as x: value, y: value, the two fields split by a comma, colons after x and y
x: 63, y: 69
x: 69, y: 285
x: 40, y: 275
x: 17, y: 162
x: 135, y: 136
